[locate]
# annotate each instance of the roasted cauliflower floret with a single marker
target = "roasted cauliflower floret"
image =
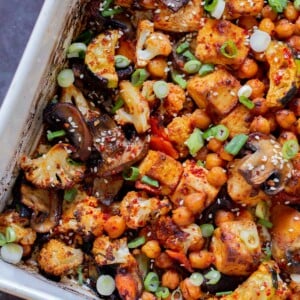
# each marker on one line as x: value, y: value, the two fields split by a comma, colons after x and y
x: 137, y: 209
x: 52, y: 170
x: 236, y: 247
x: 136, y: 110
x: 163, y: 168
x: 185, y: 19
x: 194, y: 180
x: 174, y: 101
x: 263, y: 284
x: 58, y: 259
x: 150, y: 44
x: 83, y: 216
x: 100, y: 57
x: 107, y: 252
x: 214, y: 34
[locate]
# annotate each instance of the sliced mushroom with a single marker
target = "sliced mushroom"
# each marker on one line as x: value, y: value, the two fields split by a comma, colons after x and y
x: 266, y: 167
x: 174, y: 5
x: 68, y: 117
x: 45, y: 205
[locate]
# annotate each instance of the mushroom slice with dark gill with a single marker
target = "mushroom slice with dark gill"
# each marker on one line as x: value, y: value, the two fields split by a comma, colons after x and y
x: 67, y: 116
x: 174, y: 5
x: 266, y: 166
x: 45, y: 205
x: 116, y: 150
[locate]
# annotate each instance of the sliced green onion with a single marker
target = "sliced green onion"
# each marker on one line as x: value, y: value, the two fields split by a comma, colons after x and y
x: 236, y: 144
x: 178, y: 79
x: 84, y: 37
x: 2, y: 239
x: 10, y: 235
x: 192, y: 66
x: 51, y: 135
x: 261, y: 210
x: 111, y: 11
x: 229, y: 49
x: 76, y: 50
x: 121, y: 61
x: 182, y: 47
x: 219, y: 294
x: 162, y: 292
x: 80, y: 275
x: 151, y: 282
x: 65, y: 78
x: 161, y: 89
x: 200, y: 163
x: 150, y: 181
x: 11, y: 253
x: 106, y: 4
x: 73, y: 162
x: 143, y: 262
x: 290, y: 149
x: 139, y: 76
x: 207, y: 230
x: 137, y: 242
x: 189, y: 55
x: 220, y: 132
x: 131, y: 174
x: 246, y: 102
x: 268, y: 253
x: 250, y: 238
x: 176, y: 295
x: 278, y: 5
x: 70, y: 194
x: 210, y: 5
x: 213, y: 276
x: 195, y: 142
x: 206, y: 69
x: 119, y: 103
x: 265, y: 223
x: 196, y: 278
x: 105, y: 285
x: 297, y: 4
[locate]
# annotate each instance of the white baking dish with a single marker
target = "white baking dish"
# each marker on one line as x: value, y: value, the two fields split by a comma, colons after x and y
x: 21, y: 124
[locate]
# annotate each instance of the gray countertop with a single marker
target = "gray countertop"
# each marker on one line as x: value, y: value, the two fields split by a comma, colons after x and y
x: 17, y: 18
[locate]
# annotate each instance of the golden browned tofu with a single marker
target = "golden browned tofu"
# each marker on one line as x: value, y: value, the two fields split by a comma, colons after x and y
x: 163, y: 168
x: 286, y: 237
x: 216, y: 91
x: 236, y: 247
x: 260, y: 285
x: 213, y: 34
x: 238, y: 121
x: 194, y: 180
x: 238, y: 8
x: 56, y: 258
x: 185, y: 20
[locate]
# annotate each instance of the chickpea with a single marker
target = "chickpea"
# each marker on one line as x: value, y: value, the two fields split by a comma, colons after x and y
x: 294, y: 41
x: 225, y: 155
x: 260, y: 124
x: 198, y: 245
x: 223, y: 216
x: 272, y: 121
x: 200, y: 119
x: 195, y: 202
x: 164, y: 261
x: 284, y: 29
x: 290, y: 12
x: 258, y: 88
x: 170, y: 279
x: 190, y: 291
x: 201, y: 259
x: 267, y: 25
x: 248, y: 69
x: 182, y: 216
x: 214, y: 145
x: 297, y: 126
x: 151, y: 249
x: 148, y: 296
x: 213, y: 160
x: 295, y: 106
x: 115, y: 226
x: 157, y: 67
x: 285, y: 136
x: 217, y: 176
x: 247, y: 22
x: 268, y: 12
x: 285, y: 118
x: 297, y: 26
x: 260, y: 107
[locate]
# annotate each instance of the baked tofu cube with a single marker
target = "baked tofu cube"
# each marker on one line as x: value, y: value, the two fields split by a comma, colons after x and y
x: 184, y: 20
x: 216, y: 91
x: 213, y: 35
x: 194, y: 180
x: 238, y: 8
x: 238, y: 121
x: 163, y: 168
x: 236, y: 247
